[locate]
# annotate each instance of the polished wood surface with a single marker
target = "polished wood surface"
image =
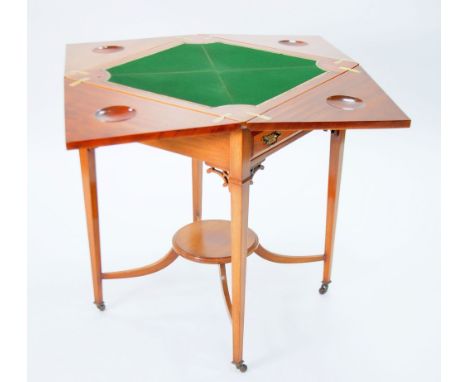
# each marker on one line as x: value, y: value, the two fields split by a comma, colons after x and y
x: 208, y: 241
x: 239, y: 183
x: 197, y: 189
x: 315, y: 45
x: 83, y: 57
x: 211, y: 148
x: 152, y: 119
x: 285, y: 259
x: 214, y: 148
x: 86, y: 56
x: 233, y: 139
x: 263, y: 155
x: 303, y: 107
x: 225, y: 288
x: 162, y: 263
x: 89, y: 179
x: 337, y: 141
x: 260, y: 145
x: 97, y: 75
x: 197, y: 196
x: 311, y: 110
x: 88, y: 175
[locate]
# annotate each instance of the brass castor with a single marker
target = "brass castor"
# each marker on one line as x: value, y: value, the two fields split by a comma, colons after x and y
x: 101, y: 306
x: 324, y: 288
x: 241, y: 366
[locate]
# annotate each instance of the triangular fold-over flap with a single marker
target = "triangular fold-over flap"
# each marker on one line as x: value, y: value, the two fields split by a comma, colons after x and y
x: 96, y: 116
x: 351, y: 100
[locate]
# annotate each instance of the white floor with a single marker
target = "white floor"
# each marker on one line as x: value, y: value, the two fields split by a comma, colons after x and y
x: 380, y: 318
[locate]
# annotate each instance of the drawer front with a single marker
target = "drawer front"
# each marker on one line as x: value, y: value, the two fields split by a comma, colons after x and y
x: 267, y: 140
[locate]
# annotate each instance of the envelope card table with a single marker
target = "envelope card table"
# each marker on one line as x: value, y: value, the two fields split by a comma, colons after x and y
x: 226, y: 101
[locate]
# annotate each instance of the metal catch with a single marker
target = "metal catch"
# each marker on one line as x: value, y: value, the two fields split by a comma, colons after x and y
x: 271, y: 139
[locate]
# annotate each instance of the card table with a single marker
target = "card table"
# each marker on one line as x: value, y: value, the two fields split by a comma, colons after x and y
x: 226, y: 101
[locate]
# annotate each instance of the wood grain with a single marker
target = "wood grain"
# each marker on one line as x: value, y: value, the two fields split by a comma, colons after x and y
x: 88, y: 174
x: 225, y: 288
x: 311, y: 110
x: 230, y: 138
x: 284, y: 259
x: 209, y: 241
x: 152, y: 119
x: 197, y: 189
x: 316, y: 45
x: 212, y: 148
x: 304, y: 107
x: 240, y: 154
x: 162, y: 263
x: 82, y: 56
x: 259, y: 145
x: 98, y: 75
x: 334, y: 180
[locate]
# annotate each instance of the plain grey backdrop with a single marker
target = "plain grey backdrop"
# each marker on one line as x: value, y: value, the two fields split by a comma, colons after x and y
x: 380, y: 319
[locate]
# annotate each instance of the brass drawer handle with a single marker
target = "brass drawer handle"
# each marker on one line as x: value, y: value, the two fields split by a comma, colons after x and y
x: 271, y: 139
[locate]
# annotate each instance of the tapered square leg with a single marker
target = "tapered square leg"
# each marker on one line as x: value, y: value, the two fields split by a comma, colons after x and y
x: 334, y: 177
x: 239, y: 183
x: 88, y: 174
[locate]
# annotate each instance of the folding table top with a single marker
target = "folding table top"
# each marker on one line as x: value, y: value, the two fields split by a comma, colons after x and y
x: 126, y: 91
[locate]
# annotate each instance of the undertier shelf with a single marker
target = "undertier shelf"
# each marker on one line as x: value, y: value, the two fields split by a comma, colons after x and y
x: 209, y: 241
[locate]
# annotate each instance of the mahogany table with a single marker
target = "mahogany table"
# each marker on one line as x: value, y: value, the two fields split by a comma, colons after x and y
x: 229, y: 101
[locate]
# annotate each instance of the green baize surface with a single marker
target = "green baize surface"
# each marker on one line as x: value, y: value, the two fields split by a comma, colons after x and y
x: 216, y: 74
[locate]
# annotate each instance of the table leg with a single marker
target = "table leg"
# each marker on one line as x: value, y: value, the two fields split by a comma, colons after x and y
x: 197, y: 188
x: 88, y: 174
x: 239, y: 182
x: 334, y: 177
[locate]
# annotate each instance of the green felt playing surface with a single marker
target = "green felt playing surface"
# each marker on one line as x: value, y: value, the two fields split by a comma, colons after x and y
x: 216, y: 74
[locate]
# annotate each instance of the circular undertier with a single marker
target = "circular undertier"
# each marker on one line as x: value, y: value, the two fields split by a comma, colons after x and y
x: 209, y: 241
